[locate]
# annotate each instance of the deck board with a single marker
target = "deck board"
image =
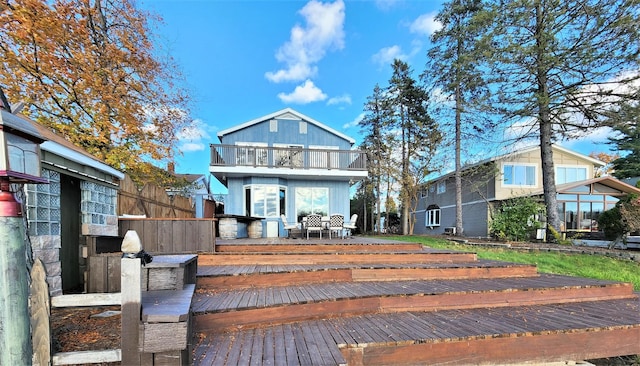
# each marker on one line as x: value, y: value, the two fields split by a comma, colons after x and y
x: 316, y: 342
x: 293, y: 302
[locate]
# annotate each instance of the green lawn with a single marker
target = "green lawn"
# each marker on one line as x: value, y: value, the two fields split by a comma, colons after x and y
x: 581, y: 265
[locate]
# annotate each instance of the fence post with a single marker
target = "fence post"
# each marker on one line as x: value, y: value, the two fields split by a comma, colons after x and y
x: 130, y: 287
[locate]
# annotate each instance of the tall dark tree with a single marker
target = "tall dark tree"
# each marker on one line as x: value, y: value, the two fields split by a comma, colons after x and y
x: 454, y: 66
x: 626, y: 140
x: 558, y: 67
x: 419, y: 136
x: 375, y: 125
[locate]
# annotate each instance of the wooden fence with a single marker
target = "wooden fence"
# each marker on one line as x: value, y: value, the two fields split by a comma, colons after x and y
x: 158, y: 236
x: 151, y: 201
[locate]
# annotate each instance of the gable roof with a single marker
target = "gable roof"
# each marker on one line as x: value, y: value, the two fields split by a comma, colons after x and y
x: 605, y: 180
x: 286, y: 113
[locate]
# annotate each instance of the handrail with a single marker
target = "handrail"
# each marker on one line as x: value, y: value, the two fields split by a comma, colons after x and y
x: 287, y: 157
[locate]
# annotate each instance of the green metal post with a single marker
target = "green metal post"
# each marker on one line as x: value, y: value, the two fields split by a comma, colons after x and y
x: 15, y: 330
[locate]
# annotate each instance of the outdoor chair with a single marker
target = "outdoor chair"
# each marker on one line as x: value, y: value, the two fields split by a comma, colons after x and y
x: 351, y: 225
x: 314, y: 223
x: 288, y: 226
x: 336, y: 223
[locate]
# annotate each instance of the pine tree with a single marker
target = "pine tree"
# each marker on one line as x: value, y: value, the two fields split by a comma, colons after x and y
x: 559, y: 66
x: 454, y: 66
x: 419, y: 136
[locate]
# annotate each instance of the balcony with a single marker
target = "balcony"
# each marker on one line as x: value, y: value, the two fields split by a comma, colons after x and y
x: 237, y: 161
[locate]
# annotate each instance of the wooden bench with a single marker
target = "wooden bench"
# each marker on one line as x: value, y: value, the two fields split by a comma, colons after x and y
x: 166, y: 320
x: 156, y: 310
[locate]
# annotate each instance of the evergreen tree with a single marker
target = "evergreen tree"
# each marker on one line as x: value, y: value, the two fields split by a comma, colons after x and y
x: 419, y: 136
x: 556, y: 63
x: 454, y: 66
x: 627, y: 140
x: 374, y: 125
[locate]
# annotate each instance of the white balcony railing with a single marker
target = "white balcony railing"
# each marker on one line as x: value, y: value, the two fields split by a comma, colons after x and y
x: 287, y: 157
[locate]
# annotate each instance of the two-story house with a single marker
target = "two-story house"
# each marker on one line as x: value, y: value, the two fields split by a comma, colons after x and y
x: 581, y: 197
x: 286, y: 163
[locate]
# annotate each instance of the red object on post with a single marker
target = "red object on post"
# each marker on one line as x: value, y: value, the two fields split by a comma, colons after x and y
x: 9, y: 207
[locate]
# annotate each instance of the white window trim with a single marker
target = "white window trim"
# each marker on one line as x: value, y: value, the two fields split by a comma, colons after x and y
x: 255, y: 145
x: 277, y: 203
x: 430, y: 216
x: 513, y: 163
x: 585, y: 167
x: 441, y: 187
x: 288, y: 146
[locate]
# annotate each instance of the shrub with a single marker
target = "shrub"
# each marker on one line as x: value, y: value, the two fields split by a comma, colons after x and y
x: 516, y: 218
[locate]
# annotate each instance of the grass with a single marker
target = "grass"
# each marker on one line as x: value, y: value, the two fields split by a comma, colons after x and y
x: 580, y: 265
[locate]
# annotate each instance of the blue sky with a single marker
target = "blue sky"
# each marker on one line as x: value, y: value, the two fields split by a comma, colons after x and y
x: 245, y: 59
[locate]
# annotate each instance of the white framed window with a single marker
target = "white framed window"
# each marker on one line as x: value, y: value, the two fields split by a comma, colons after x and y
x: 521, y: 175
x: 251, y: 153
x: 441, y: 187
x: 312, y: 200
x: 287, y: 155
x: 424, y: 192
x: 432, y: 217
x: 273, y: 125
x: 264, y: 200
x: 568, y: 174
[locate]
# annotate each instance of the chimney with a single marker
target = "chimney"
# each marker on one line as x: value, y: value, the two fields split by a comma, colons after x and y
x: 171, y: 167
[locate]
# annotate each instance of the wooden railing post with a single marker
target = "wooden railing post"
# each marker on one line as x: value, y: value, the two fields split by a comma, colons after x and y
x: 130, y: 287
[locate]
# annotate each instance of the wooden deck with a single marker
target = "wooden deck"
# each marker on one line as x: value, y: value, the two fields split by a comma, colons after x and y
x: 295, y: 306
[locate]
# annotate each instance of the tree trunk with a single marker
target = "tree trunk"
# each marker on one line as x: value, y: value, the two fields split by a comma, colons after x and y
x: 458, y: 137
x: 546, y: 127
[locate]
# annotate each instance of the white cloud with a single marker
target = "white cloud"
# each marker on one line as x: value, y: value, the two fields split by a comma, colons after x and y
x: 195, y: 131
x: 353, y: 123
x: 192, y: 146
x: 386, y: 4
x: 304, y: 94
x: 191, y: 136
x: 425, y: 24
x: 342, y: 99
x: 386, y: 55
x: 308, y: 44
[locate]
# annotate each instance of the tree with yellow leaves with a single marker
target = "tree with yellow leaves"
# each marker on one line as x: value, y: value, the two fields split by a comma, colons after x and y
x: 90, y: 71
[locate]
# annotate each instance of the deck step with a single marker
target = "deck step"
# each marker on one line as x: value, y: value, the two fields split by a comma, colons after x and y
x: 219, y: 310
x: 234, y: 277
x: 539, y: 333
x: 431, y: 256
x: 315, y: 247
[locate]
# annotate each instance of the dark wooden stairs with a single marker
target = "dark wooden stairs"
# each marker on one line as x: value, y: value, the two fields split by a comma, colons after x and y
x: 354, y: 302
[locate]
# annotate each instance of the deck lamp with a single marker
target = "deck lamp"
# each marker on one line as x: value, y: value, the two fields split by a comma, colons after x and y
x: 19, y: 164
